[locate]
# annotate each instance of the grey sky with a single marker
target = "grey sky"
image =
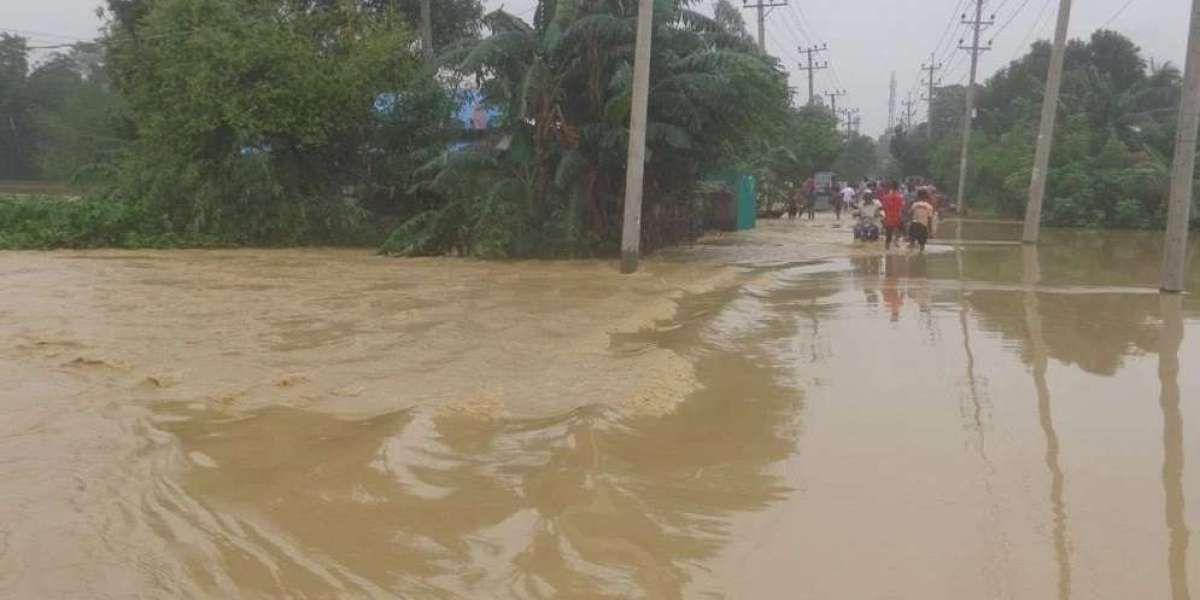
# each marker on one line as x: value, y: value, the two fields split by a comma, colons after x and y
x: 868, y: 39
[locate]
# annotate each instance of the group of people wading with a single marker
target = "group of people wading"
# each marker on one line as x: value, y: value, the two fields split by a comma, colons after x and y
x: 899, y: 213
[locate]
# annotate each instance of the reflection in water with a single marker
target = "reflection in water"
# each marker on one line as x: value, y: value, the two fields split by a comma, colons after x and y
x: 155, y: 443
x: 1171, y: 339
x: 977, y: 408
x: 1033, y: 322
x: 891, y: 285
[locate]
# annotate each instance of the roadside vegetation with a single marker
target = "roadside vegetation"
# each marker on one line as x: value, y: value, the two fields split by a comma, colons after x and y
x: 318, y: 122
x: 283, y: 122
x: 1110, y: 165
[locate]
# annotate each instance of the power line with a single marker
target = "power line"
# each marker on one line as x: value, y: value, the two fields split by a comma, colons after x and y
x: 761, y: 6
x: 795, y: 17
x: 953, y: 25
x: 959, y: 61
x: 793, y: 39
x: 977, y: 23
x: 1000, y: 8
x: 950, y: 26
x: 835, y: 78
x: 800, y: 16
x: 1011, y: 18
x: 58, y: 36
x: 1121, y: 10
x: 812, y: 67
x: 1037, y: 25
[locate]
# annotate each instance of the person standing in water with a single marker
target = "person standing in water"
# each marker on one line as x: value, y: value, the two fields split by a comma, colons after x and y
x: 847, y: 201
x: 921, y: 225
x: 893, y: 214
x: 810, y: 197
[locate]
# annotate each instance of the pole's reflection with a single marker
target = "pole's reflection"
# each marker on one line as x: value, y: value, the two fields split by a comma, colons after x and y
x: 977, y: 409
x: 1171, y: 307
x: 1033, y: 321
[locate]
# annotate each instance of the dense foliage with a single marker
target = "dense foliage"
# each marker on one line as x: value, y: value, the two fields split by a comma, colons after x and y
x: 1111, y: 159
x: 61, y: 120
x: 317, y: 121
x: 254, y: 118
x: 550, y: 177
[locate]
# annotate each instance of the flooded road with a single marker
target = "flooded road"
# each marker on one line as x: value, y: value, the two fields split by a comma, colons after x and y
x: 764, y: 415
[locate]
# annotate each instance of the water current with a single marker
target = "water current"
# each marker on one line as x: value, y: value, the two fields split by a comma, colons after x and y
x: 763, y: 415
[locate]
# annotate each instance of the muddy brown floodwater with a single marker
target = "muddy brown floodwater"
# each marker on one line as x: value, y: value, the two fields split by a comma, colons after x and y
x: 764, y: 415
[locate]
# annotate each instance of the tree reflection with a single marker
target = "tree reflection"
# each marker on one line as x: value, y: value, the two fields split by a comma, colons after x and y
x: 1084, y: 323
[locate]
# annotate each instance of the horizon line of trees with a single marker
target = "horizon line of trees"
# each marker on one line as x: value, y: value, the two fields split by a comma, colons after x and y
x: 1110, y: 164
x: 259, y: 122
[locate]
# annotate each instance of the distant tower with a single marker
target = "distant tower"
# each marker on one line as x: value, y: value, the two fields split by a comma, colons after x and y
x: 892, y: 104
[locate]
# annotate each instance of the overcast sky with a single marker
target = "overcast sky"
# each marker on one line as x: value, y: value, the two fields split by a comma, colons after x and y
x: 868, y: 39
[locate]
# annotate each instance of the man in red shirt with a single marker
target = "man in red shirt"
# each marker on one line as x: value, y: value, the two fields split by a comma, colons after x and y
x: 893, y: 214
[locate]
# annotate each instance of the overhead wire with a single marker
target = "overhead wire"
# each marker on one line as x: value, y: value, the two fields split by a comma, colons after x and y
x: 954, y: 24
x: 1119, y: 12
x: 1023, y: 47
x: 39, y: 34
x: 1010, y: 20
x: 831, y: 75
x: 790, y: 55
x: 942, y: 51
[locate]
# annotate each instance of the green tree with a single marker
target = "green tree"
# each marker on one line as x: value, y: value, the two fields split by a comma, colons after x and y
x: 550, y: 182
x: 17, y: 137
x: 1111, y: 148
x: 859, y: 158
x: 252, y: 118
x: 79, y: 119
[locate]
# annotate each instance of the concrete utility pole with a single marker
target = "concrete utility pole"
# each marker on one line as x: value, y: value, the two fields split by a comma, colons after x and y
x: 977, y: 24
x: 1045, y: 139
x: 851, y: 114
x: 892, y: 104
x: 1183, y: 169
x: 813, y: 67
x: 426, y: 31
x: 833, y: 96
x: 910, y: 110
x: 932, y: 82
x: 631, y: 227
x: 762, y: 20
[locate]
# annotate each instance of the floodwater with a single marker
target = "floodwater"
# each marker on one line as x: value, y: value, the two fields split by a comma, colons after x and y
x: 764, y: 415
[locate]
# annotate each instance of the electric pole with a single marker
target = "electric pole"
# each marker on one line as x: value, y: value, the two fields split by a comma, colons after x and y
x: 932, y: 68
x: 910, y: 110
x: 1045, y: 138
x: 1183, y: 168
x: 833, y: 96
x: 850, y: 114
x: 426, y: 31
x: 762, y: 7
x: 977, y: 24
x: 631, y: 227
x: 813, y: 67
x: 892, y: 104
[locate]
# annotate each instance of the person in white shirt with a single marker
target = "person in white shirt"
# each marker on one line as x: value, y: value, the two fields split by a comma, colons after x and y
x: 921, y: 225
x: 848, y: 195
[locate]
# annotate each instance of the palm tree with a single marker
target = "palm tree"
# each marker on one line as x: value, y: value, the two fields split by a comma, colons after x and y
x: 563, y: 85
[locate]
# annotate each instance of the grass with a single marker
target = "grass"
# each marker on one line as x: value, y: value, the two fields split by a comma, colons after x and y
x: 43, y: 222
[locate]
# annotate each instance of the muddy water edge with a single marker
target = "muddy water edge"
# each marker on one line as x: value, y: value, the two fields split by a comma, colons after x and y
x: 765, y: 416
